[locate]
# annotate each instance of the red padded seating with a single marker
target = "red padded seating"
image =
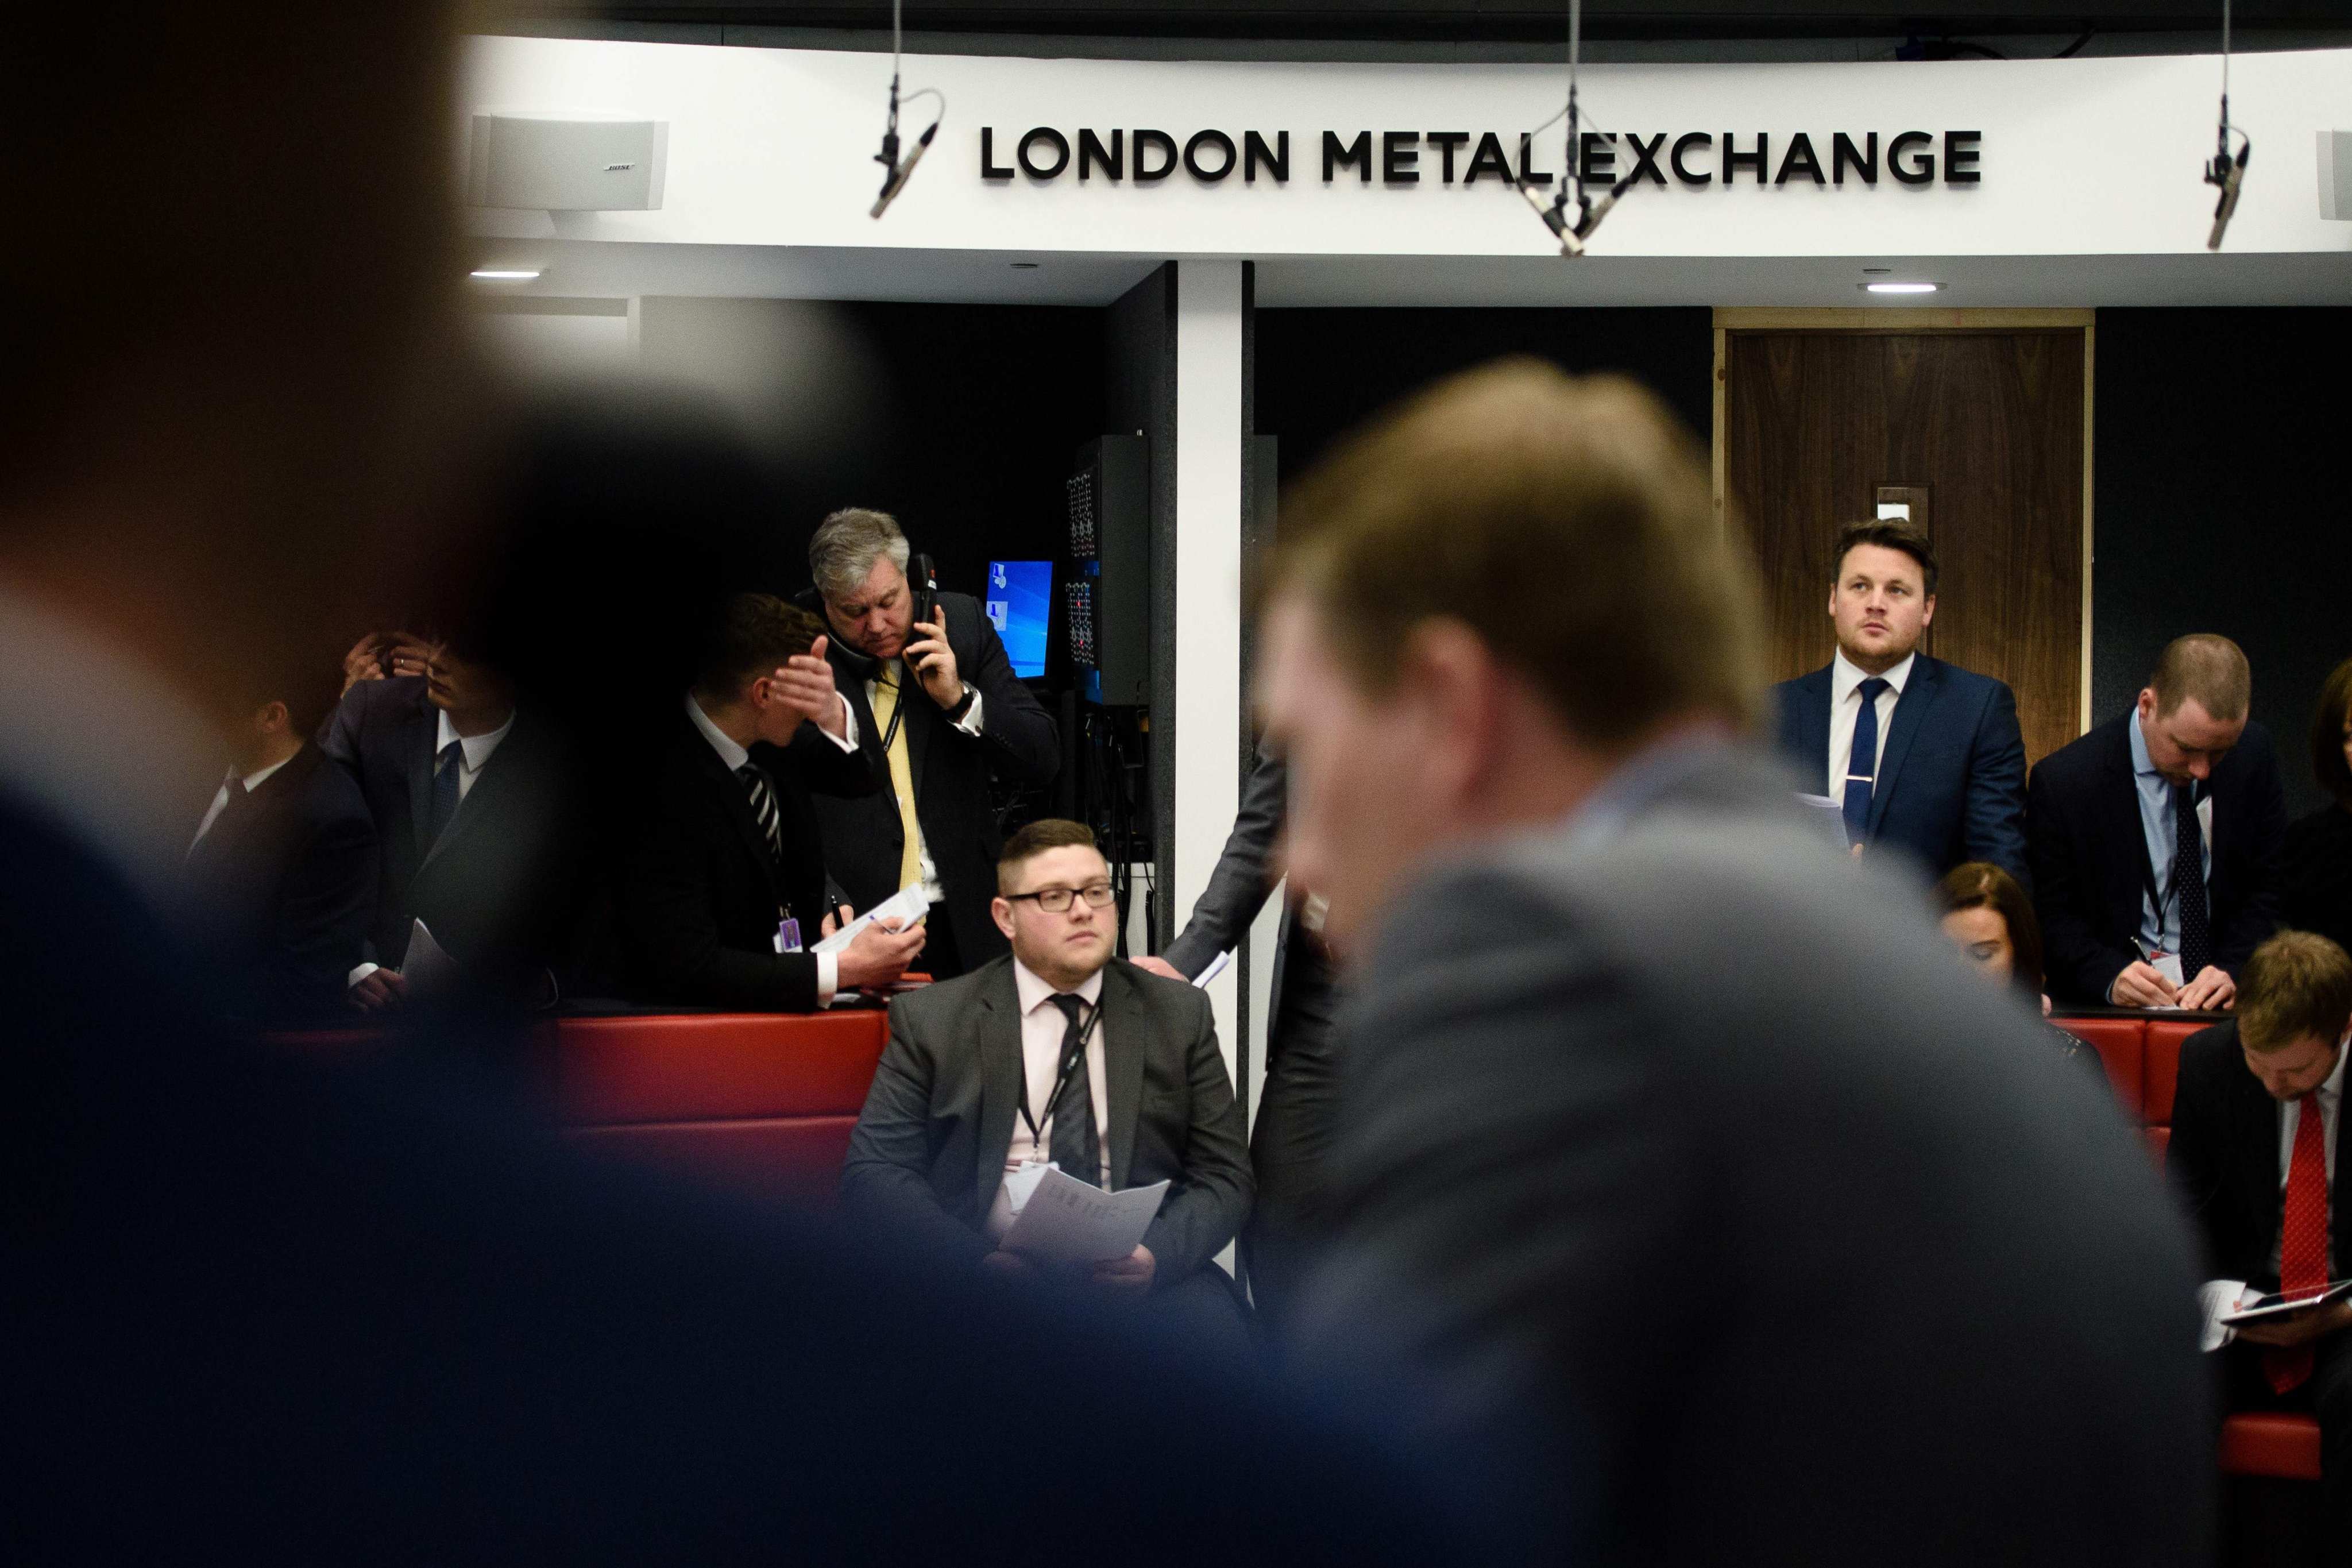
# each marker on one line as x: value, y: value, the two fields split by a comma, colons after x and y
x: 2121, y: 1043
x: 2270, y: 1443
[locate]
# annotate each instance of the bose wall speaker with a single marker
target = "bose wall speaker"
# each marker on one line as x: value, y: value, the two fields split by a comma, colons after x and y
x: 565, y: 163
x: 2335, y: 175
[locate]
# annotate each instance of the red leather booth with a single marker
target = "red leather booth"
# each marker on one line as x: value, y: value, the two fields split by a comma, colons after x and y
x: 2142, y: 1057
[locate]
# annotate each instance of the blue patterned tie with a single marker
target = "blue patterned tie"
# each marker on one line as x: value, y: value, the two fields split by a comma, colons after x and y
x: 1862, y: 769
x: 445, y: 793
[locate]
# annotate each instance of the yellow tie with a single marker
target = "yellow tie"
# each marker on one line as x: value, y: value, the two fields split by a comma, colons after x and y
x: 902, y: 776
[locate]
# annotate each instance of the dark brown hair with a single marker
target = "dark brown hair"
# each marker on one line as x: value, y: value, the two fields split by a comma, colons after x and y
x: 2296, y: 984
x: 1567, y: 521
x: 755, y: 633
x: 2208, y: 667
x: 1887, y: 533
x: 1046, y: 832
x: 1981, y: 885
x: 2327, y: 722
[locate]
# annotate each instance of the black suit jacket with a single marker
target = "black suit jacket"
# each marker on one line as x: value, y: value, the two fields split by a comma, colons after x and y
x: 864, y: 842
x: 2090, y: 857
x: 498, y: 888
x: 2224, y: 1158
x: 929, y: 1153
x: 282, y: 886
x: 698, y: 896
x: 1625, y: 1132
x: 1951, y: 777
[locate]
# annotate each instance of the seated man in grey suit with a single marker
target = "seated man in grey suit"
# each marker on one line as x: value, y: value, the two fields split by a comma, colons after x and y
x: 1063, y: 1053
x: 1657, y: 1114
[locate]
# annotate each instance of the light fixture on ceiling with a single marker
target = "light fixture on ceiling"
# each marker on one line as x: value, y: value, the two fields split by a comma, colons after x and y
x: 1901, y: 288
x: 507, y: 274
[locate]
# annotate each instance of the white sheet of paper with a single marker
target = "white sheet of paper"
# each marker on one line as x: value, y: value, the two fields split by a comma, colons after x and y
x: 906, y: 904
x: 2214, y: 1298
x: 2169, y: 965
x: 1066, y: 1221
x: 427, y: 966
x: 1019, y: 1185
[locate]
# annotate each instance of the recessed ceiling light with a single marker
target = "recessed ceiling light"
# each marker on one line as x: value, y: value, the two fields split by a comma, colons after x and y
x: 1902, y: 288
x: 1025, y: 267
x: 506, y: 274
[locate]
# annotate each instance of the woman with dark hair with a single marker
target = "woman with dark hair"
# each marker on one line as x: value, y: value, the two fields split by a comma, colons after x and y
x: 1990, y: 918
x: 2316, y: 870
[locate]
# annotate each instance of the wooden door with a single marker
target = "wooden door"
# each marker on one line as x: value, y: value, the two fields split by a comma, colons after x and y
x: 1980, y: 432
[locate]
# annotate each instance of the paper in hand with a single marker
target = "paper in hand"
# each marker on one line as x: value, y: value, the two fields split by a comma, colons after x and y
x: 1067, y: 1221
x: 907, y: 906
x: 427, y: 966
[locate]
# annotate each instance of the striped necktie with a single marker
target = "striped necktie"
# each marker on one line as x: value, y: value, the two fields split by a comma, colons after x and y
x: 763, y: 811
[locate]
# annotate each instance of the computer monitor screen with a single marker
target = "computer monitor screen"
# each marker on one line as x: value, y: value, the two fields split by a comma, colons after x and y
x: 1019, y: 593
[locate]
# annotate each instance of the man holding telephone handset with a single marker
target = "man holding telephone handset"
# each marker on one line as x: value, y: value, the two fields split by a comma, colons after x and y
x: 2257, y: 1117
x: 964, y: 716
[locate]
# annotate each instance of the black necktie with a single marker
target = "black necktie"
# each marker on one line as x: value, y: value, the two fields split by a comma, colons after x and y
x: 1072, y: 1145
x: 763, y: 811
x: 444, y: 792
x: 2189, y: 876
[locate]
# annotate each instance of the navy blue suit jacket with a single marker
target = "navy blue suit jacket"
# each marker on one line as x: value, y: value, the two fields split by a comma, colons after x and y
x: 1951, y: 778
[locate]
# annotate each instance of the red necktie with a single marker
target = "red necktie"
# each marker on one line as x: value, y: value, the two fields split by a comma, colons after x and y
x: 2303, y: 1236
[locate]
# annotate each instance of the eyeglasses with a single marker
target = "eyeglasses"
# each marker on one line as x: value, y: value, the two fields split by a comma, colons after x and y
x: 1056, y: 901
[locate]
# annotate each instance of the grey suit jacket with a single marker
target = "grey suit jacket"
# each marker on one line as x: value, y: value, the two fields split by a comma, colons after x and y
x: 1240, y: 885
x: 1699, y: 1135
x: 929, y: 1151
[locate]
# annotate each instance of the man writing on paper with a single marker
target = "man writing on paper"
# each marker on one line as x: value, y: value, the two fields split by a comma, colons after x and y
x: 2255, y: 1121
x: 1059, y: 1053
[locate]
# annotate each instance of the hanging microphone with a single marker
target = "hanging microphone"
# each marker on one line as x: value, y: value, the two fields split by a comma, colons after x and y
x: 2228, y: 174
x: 895, y: 179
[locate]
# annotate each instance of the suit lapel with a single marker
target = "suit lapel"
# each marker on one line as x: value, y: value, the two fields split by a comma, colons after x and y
x: 1129, y: 1031
x: 1807, y: 732
x: 1910, y: 712
x: 423, y: 729
x: 494, y: 779
x: 2124, y: 788
x: 1001, y: 1083
x: 2258, y: 1133
x: 735, y: 807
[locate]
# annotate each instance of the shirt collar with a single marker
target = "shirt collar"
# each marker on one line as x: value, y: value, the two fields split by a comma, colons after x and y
x: 733, y: 756
x: 254, y: 781
x: 1845, y: 675
x: 477, y: 748
x: 1035, y: 993
x: 2334, y: 1086
x: 2141, y: 765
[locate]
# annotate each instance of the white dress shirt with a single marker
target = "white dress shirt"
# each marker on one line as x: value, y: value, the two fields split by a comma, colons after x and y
x: 1043, y: 1027
x: 828, y: 964
x: 2331, y: 1101
x: 970, y: 724
x: 220, y: 800
x: 473, y: 754
x: 1846, y: 710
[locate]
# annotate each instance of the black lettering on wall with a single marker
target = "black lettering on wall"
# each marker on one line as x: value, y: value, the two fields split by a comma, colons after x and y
x: 1920, y: 174
x: 1445, y: 142
x: 1093, y: 155
x: 1961, y: 145
x: 1051, y: 138
x: 1843, y: 154
x: 1356, y: 155
x: 1800, y: 161
x: 1682, y: 144
x: 1399, y: 158
x: 1216, y: 139
x: 1733, y: 157
x: 1167, y: 147
x: 1596, y: 159
x: 1645, y: 158
x: 1528, y: 174
x: 1489, y: 159
x: 1255, y: 152
x: 988, y: 169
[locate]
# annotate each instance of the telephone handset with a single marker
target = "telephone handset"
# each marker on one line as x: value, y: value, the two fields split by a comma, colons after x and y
x: 923, y: 582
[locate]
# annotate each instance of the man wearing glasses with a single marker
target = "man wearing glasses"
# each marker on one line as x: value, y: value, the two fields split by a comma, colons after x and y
x: 1059, y: 1054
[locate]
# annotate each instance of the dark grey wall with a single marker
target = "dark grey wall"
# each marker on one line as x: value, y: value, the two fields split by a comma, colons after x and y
x: 2218, y: 504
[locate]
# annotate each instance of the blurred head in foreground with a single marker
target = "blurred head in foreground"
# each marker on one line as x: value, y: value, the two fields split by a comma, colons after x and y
x: 1485, y: 601
x: 1989, y: 918
x: 229, y: 398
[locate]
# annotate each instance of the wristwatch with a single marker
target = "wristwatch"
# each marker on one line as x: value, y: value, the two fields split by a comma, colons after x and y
x: 963, y: 703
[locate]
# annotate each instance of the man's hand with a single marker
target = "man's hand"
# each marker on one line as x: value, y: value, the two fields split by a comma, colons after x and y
x: 835, y: 920
x: 1160, y: 966
x: 1132, y: 1272
x: 1007, y: 1263
x: 2297, y: 1328
x: 805, y: 686
x: 934, y: 663
x: 406, y: 654
x: 878, y: 955
x: 2139, y: 986
x: 364, y: 662
x: 2210, y: 992
x: 384, y: 990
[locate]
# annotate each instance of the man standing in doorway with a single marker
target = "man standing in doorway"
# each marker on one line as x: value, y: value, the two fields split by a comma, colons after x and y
x: 1920, y: 755
x: 965, y: 717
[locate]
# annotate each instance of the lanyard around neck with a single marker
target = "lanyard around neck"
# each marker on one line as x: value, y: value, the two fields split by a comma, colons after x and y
x: 1074, y: 1053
